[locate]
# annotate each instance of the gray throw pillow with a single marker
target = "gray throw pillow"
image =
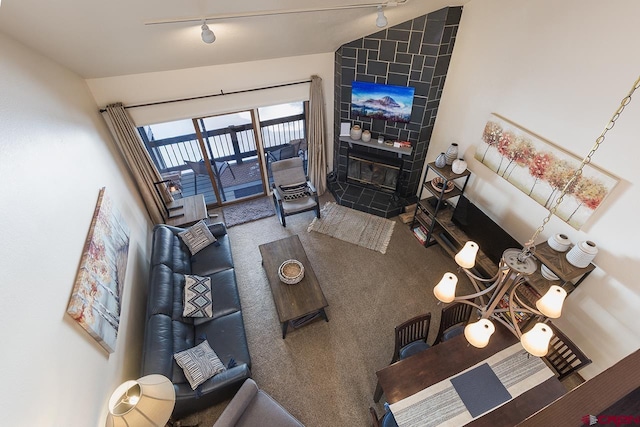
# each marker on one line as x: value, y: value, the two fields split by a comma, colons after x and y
x: 197, y: 296
x: 197, y: 237
x: 199, y: 363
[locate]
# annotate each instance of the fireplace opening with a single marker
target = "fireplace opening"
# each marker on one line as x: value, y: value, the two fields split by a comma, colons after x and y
x: 370, y: 170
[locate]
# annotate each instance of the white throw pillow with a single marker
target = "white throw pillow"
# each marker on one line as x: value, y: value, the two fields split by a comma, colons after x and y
x: 197, y: 237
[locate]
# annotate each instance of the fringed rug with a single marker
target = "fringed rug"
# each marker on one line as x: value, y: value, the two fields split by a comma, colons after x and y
x: 360, y: 228
x: 252, y: 210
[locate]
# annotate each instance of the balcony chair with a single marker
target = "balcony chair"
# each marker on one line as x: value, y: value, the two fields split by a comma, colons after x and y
x: 387, y: 419
x: 564, y: 356
x: 292, y: 191
x: 411, y: 338
x: 452, y: 321
x: 199, y: 168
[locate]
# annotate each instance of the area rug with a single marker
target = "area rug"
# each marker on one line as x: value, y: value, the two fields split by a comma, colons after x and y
x: 360, y: 228
x: 252, y: 210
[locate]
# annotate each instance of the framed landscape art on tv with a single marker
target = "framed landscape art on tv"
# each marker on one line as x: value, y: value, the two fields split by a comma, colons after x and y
x: 379, y: 101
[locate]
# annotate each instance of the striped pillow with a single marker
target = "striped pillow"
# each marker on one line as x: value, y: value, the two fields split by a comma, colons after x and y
x: 197, y: 237
x: 199, y: 363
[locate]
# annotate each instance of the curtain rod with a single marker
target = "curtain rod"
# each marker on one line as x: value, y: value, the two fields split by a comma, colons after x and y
x: 102, y: 110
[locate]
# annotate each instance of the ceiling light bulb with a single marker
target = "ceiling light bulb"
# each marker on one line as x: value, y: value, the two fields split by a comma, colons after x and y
x: 381, y: 20
x: 207, y: 34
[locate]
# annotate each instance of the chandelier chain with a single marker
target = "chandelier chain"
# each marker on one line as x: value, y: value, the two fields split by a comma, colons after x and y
x: 529, y: 248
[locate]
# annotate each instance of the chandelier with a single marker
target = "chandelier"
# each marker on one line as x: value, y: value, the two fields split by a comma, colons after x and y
x: 514, y: 267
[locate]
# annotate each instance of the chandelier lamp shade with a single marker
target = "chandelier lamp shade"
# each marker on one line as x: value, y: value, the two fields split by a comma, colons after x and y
x: 146, y: 402
x: 497, y: 299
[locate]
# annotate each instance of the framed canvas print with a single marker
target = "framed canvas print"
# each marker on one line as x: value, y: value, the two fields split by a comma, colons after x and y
x: 384, y: 102
x: 96, y: 298
x: 541, y: 170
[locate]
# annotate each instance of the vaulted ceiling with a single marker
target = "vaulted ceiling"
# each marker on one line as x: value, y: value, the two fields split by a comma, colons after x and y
x: 110, y: 38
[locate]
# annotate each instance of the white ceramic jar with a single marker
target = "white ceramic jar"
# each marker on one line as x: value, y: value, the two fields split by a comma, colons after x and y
x: 582, y: 254
x: 356, y: 132
x: 458, y: 166
x: 366, y: 136
x: 559, y: 242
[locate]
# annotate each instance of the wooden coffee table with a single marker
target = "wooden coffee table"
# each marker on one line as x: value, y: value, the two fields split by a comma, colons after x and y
x: 296, y: 304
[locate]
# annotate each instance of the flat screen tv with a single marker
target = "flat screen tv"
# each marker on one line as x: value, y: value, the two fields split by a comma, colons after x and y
x: 384, y: 102
x: 491, y: 238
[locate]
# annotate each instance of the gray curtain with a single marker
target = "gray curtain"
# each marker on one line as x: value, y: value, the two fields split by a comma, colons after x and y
x: 140, y: 164
x: 317, y: 146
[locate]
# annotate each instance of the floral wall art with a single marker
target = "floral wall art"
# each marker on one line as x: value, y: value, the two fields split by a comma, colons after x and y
x: 541, y: 170
x: 95, y: 301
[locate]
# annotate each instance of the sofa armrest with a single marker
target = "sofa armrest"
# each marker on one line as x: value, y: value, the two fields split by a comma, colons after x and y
x: 218, y: 229
x: 238, y: 404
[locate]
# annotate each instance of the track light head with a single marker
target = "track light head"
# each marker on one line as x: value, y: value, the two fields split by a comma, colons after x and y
x: 381, y: 20
x: 207, y: 35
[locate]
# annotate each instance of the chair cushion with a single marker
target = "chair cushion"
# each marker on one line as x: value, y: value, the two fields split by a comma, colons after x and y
x: 453, y: 331
x: 197, y: 296
x: 197, y: 237
x: 413, y: 348
x: 388, y: 420
x: 199, y: 363
x: 298, y: 205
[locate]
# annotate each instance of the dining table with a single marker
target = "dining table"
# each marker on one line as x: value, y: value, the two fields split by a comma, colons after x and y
x: 432, y: 372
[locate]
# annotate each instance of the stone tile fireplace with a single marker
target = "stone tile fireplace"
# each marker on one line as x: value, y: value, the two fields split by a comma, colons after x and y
x: 415, y: 53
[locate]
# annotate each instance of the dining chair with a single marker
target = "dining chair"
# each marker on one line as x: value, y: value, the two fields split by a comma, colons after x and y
x: 453, y: 319
x: 387, y: 419
x: 411, y: 338
x: 564, y: 356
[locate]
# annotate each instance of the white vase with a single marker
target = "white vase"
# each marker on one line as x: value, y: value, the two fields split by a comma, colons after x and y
x: 366, y: 136
x: 356, y: 132
x: 559, y: 242
x: 582, y: 254
x: 458, y: 166
x: 452, y: 153
x: 441, y: 160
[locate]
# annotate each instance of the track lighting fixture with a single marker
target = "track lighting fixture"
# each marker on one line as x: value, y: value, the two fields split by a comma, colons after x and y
x: 381, y: 20
x: 207, y: 34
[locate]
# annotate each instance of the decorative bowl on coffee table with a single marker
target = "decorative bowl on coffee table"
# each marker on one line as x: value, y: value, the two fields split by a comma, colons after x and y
x: 291, y: 272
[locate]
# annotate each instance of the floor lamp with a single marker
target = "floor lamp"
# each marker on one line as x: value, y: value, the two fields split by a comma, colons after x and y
x: 146, y: 402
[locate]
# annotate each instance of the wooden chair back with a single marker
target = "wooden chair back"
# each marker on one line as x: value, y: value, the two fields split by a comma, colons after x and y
x: 452, y: 315
x: 564, y: 356
x: 412, y: 330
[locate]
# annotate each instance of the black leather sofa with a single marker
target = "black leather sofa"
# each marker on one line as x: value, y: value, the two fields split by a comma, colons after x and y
x: 167, y: 332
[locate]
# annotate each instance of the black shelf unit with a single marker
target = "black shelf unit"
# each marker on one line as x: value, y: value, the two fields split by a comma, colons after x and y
x: 427, y: 209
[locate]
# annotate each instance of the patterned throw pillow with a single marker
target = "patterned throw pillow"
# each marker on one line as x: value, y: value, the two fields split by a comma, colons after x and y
x: 197, y: 296
x: 197, y: 237
x: 294, y: 191
x: 199, y: 363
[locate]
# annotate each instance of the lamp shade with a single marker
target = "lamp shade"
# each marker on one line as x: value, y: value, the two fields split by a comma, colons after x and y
x: 478, y: 333
x: 466, y: 258
x: 536, y: 341
x: 445, y: 290
x: 147, y: 402
x: 551, y: 303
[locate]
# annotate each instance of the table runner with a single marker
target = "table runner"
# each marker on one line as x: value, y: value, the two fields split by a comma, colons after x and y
x: 441, y: 405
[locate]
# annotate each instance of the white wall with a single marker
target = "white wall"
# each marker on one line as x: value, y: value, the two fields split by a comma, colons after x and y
x: 559, y: 69
x: 194, y: 82
x: 55, y: 155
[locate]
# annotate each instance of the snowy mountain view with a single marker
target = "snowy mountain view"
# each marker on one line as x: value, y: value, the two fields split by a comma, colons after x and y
x: 384, y: 102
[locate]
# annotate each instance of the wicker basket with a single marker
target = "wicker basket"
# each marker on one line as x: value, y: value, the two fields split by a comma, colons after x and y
x: 291, y: 272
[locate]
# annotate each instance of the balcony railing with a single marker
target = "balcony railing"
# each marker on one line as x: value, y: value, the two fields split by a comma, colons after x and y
x: 233, y: 143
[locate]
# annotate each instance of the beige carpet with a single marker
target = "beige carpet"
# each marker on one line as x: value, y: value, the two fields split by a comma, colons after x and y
x: 350, y: 225
x: 324, y: 373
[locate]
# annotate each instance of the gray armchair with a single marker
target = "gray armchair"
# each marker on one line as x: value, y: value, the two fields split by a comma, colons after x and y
x: 253, y: 407
x: 292, y: 191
